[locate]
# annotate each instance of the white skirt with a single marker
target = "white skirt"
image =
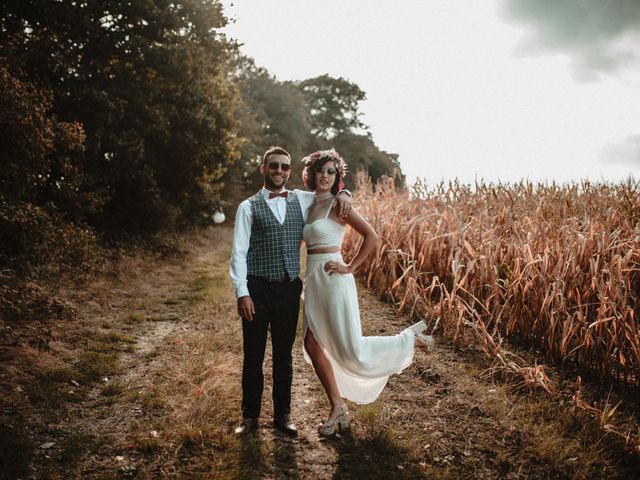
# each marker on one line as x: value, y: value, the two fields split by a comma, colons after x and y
x: 362, y: 365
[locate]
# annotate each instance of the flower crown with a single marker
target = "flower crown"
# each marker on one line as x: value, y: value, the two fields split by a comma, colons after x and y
x: 329, y: 155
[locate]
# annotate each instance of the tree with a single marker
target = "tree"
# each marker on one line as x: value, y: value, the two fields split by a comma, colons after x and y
x: 39, y: 154
x: 148, y: 83
x: 332, y: 105
x: 43, y: 192
x: 362, y: 154
x: 334, y: 115
x: 271, y: 113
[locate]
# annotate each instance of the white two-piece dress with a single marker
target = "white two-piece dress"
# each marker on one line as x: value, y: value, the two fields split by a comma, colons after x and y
x: 362, y: 365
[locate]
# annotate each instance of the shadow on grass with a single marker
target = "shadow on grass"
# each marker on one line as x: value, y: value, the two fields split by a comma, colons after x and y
x: 282, y: 461
x: 250, y: 462
x: 16, y: 451
x: 375, y: 457
x: 286, y: 462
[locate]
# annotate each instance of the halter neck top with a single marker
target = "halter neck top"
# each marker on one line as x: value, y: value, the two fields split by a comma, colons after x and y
x: 323, y: 232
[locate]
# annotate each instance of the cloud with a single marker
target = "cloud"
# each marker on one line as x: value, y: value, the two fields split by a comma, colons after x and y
x: 626, y: 152
x: 600, y: 36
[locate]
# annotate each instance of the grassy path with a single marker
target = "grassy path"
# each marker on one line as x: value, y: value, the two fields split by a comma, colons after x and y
x: 144, y: 382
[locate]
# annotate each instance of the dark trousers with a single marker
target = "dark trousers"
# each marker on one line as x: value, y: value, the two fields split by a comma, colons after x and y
x: 277, y: 306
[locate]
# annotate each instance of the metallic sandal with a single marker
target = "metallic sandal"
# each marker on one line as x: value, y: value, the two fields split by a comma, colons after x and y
x: 339, y: 422
x: 418, y: 330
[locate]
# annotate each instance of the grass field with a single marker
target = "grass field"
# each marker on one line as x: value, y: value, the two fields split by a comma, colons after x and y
x: 143, y: 381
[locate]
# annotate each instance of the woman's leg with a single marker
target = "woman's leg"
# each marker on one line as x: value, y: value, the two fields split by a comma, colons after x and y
x: 323, y: 368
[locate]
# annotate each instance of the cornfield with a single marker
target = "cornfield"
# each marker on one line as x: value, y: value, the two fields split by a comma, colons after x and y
x: 554, y: 266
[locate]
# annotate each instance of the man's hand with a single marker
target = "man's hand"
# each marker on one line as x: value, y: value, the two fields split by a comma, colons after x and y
x: 343, y: 204
x: 246, y: 308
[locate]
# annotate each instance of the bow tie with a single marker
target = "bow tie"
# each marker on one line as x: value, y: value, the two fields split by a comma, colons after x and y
x: 284, y: 194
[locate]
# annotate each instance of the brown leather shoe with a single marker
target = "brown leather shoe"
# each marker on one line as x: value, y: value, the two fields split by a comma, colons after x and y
x: 285, y: 425
x: 247, y: 425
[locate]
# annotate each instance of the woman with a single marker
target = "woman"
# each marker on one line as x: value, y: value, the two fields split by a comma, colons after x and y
x: 347, y: 364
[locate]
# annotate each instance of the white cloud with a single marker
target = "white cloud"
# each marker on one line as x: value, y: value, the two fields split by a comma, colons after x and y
x: 626, y: 152
x: 599, y: 36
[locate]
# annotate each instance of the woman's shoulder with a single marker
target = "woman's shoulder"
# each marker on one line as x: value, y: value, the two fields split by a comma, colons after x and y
x: 302, y: 193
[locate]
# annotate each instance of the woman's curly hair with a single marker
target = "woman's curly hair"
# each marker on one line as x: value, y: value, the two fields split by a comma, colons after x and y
x: 318, y: 159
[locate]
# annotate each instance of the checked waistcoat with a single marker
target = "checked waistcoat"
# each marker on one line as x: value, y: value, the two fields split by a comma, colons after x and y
x: 273, y: 248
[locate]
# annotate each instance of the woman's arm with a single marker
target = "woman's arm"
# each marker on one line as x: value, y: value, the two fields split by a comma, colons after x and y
x: 370, y: 240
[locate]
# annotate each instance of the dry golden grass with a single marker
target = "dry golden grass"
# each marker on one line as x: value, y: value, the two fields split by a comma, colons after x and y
x: 173, y: 396
x: 554, y: 266
x: 558, y: 266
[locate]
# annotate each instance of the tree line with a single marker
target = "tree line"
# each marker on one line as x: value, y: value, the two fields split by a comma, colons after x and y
x: 122, y: 118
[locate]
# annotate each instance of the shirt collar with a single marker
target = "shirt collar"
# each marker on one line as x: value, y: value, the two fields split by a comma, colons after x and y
x: 265, y: 192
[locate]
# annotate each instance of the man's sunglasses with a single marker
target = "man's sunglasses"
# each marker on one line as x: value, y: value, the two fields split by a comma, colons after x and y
x: 275, y: 165
x: 328, y: 171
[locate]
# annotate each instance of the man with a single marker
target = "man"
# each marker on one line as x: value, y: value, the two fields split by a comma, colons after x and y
x: 265, y: 268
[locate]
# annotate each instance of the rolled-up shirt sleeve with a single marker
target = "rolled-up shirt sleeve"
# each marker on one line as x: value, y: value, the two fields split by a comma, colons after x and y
x: 241, y: 237
x: 306, y: 199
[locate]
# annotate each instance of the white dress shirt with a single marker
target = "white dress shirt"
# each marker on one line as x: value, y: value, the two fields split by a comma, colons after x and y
x: 242, y: 233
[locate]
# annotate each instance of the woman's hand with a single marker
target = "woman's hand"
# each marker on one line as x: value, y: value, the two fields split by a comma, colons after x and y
x: 332, y: 267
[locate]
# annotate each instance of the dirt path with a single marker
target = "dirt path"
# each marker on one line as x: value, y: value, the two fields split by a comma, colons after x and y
x: 144, y: 383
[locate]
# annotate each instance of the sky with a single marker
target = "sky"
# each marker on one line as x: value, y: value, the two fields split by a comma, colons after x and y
x: 498, y: 90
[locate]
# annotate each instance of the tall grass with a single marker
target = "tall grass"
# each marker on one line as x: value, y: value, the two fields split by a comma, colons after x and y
x: 556, y: 266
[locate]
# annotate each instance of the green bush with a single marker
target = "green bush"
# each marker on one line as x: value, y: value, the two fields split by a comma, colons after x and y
x: 37, y: 243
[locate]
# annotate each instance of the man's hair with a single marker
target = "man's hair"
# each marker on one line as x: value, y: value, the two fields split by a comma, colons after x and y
x: 274, y: 151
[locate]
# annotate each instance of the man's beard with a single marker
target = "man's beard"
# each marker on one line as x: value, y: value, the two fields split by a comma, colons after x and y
x: 269, y: 183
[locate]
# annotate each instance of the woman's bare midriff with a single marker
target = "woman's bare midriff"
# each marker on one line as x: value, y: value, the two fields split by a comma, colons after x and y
x: 323, y: 250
